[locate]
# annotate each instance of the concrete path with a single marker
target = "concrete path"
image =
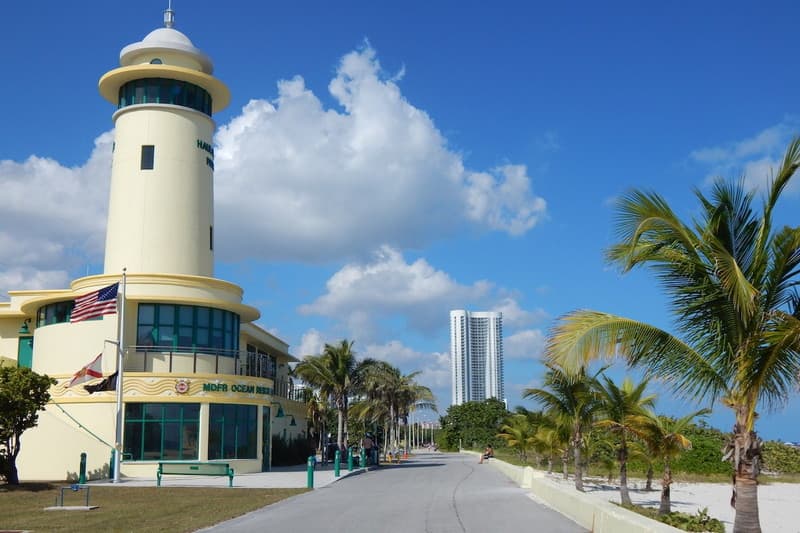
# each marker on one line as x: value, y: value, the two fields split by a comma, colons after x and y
x: 431, y: 493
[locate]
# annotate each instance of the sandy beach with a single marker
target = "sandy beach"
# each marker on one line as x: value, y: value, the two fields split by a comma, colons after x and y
x: 778, y: 503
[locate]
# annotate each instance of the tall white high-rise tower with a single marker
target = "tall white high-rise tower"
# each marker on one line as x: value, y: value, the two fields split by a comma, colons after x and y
x: 160, y: 214
x: 476, y: 356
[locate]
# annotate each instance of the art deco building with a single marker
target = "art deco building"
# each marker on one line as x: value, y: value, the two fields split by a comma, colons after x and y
x: 201, y: 380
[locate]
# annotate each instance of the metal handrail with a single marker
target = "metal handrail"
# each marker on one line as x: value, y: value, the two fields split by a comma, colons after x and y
x: 250, y: 364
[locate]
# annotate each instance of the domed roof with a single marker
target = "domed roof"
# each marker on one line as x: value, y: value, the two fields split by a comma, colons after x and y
x: 166, y: 39
x: 167, y: 36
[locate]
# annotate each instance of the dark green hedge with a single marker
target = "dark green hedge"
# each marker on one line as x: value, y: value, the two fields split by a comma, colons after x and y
x: 780, y: 458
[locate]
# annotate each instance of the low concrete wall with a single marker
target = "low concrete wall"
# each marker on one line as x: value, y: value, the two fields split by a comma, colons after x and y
x: 593, y: 514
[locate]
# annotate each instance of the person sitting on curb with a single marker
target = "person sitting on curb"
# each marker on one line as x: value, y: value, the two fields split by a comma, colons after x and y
x: 487, y: 453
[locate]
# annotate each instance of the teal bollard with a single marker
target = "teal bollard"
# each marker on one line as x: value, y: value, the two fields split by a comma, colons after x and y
x: 337, y: 459
x: 310, y: 471
x: 350, y: 459
x: 82, y: 476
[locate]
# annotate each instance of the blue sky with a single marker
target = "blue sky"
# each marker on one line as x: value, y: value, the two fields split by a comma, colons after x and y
x: 380, y: 165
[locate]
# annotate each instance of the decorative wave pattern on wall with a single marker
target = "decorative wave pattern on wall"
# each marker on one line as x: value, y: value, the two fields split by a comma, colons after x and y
x: 210, y: 388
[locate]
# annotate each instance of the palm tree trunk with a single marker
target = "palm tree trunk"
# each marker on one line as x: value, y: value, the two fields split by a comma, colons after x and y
x: 549, y: 464
x: 666, y: 481
x: 747, y: 520
x: 746, y: 456
x: 345, y: 436
x: 565, y: 463
x: 624, y: 495
x: 339, y: 427
x: 576, y: 452
x: 649, y: 485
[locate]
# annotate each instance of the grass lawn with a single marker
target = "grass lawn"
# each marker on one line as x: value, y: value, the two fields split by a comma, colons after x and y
x: 130, y: 508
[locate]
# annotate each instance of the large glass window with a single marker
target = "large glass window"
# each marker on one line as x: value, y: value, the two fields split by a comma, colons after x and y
x: 161, y: 431
x: 54, y: 313
x: 188, y: 327
x: 232, y: 432
x: 165, y: 91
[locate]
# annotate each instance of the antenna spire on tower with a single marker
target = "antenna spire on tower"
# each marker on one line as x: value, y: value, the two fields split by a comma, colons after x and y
x: 169, y: 16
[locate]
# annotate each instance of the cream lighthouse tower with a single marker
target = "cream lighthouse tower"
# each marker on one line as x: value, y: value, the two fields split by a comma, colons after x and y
x: 160, y: 216
x: 191, y: 376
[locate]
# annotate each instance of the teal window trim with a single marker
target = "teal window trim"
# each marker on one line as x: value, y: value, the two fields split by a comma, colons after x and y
x: 188, y: 327
x: 54, y: 313
x: 147, y: 435
x: 232, y: 431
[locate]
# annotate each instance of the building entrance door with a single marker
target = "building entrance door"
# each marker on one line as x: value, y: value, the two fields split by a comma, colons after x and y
x: 25, y: 352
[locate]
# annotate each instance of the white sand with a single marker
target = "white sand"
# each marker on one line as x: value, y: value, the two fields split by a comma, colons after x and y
x: 778, y: 503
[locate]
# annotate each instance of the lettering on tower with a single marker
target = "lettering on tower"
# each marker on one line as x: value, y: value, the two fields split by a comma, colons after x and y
x: 206, y: 147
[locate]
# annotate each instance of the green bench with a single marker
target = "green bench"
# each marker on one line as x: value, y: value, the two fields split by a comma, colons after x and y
x: 194, y: 469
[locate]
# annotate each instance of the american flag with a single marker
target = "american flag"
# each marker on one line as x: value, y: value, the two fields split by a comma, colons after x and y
x: 94, y: 304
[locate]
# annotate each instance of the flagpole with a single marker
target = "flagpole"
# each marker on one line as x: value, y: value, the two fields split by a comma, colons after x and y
x: 120, y: 363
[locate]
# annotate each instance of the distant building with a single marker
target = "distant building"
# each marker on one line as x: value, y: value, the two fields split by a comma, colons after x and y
x: 476, y: 356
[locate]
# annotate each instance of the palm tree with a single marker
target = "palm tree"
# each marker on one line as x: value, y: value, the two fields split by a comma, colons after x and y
x: 621, y: 411
x: 334, y: 372
x: 571, y: 397
x: 732, y: 282
x: 317, y: 411
x: 552, y: 439
x: 519, y: 434
x: 665, y: 440
x: 600, y: 451
x: 392, y: 395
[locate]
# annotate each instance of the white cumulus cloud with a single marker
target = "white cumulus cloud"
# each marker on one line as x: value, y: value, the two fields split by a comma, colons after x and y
x: 53, y: 218
x: 756, y: 158
x: 388, y: 286
x: 525, y: 344
x: 297, y: 181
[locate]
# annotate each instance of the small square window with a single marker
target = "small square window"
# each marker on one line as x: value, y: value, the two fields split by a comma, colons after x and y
x: 148, y: 156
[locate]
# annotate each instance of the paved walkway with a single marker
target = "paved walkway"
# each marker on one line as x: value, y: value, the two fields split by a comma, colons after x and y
x: 430, y: 493
x: 280, y: 478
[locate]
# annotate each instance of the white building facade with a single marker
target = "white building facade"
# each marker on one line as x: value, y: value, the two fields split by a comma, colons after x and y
x: 476, y: 356
x: 202, y: 381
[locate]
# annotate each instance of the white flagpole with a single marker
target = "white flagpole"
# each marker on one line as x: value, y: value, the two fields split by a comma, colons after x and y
x: 120, y: 362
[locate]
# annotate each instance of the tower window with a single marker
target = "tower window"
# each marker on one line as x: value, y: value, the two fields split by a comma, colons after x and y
x: 148, y: 156
x: 211, y: 238
x: 155, y: 61
x: 165, y: 91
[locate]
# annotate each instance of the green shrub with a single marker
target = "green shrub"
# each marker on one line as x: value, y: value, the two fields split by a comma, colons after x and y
x: 291, y: 451
x: 705, y: 457
x: 694, y: 522
x: 684, y: 521
x: 780, y: 458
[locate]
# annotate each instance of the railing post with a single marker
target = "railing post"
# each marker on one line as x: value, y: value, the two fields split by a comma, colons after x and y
x: 82, y: 475
x: 310, y: 471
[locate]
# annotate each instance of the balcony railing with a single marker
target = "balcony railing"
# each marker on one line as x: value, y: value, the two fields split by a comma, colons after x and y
x: 191, y: 360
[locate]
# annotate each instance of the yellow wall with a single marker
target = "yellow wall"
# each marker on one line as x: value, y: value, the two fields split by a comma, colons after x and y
x: 159, y: 219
